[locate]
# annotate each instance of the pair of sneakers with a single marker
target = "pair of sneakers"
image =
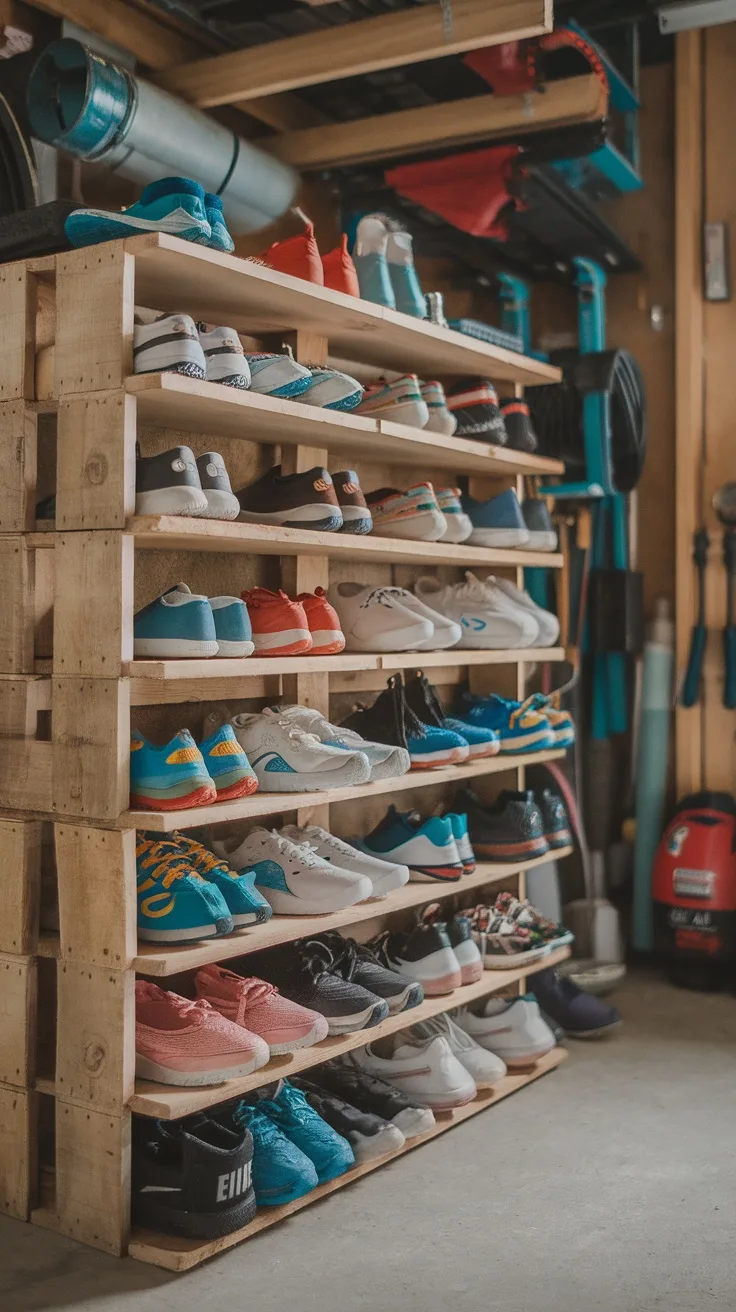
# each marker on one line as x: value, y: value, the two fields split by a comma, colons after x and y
x: 513, y: 931
x: 532, y: 725
x: 283, y: 626
x: 173, y: 343
x: 384, y: 262
x: 314, y: 499
x: 432, y: 741
x: 186, y: 893
x: 174, y: 482
x: 492, y: 613
x: 435, y: 1062
x: 390, y: 619
x: 177, y: 206
x: 409, y: 400
x: 440, y: 954
x: 181, y: 774
x: 181, y: 624
x: 438, y: 849
x: 518, y: 824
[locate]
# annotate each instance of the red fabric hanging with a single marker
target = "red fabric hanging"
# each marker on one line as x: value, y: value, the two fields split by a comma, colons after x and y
x: 470, y: 191
x: 510, y: 68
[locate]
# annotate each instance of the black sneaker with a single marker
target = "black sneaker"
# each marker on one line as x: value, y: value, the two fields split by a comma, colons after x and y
x: 369, y: 1135
x: 356, y: 962
x: 169, y: 484
x: 221, y: 500
x: 304, y: 972
x: 305, y: 500
x: 385, y: 720
x: 343, y: 1077
x: 507, y: 829
x: 424, y: 954
x: 581, y: 1015
x: 191, y: 1177
x: 554, y: 818
x: 520, y: 435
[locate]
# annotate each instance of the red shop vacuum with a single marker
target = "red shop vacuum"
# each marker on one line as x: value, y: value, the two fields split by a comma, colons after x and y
x: 694, y: 892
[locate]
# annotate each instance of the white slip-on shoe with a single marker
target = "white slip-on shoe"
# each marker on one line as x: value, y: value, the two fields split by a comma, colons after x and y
x: 514, y: 1029
x: 385, y: 876
x: 549, y: 625
x: 489, y: 621
x: 288, y: 760
x: 293, y: 878
x: 426, y: 1069
x: 484, y: 1066
x: 386, y: 761
x: 377, y: 619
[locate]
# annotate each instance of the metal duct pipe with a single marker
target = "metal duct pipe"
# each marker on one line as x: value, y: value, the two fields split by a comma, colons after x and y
x: 96, y: 110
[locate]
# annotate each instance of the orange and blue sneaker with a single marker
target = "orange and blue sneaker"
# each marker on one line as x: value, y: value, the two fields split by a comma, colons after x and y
x: 175, y: 904
x: 169, y: 778
x: 561, y: 722
x: 227, y: 765
x: 246, y: 905
x: 521, y: 726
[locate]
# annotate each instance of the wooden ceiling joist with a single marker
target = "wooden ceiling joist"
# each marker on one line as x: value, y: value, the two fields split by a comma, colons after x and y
x: 352, y: 49
x: 432, y: 127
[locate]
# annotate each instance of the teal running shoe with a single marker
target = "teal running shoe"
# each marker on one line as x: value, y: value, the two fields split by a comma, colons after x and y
x: 228, y: 765
x: 404, y: 279
x: 175, y: 206
x: 371, y: 266
x: 169, y: 778
x: 175, y: 905
x: 520, y: 725
x: 281, y: 1171
x: 232, y: 627
x: 246, y: 905
x: 220, y: 239
x: 304, y: 1127
x: 175, y: 626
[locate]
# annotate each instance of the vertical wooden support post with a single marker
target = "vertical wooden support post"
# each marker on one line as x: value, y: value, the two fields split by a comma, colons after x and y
x: 96, y: 461
x: 20, y: 881
x: 18, y: 457
x: 18, y: 341
x: 17, y: 631
x: 17, y: 1151
x: 93, y: 1151
x: 95, y: 299
x: 689, y: 452
x: 95, y: 1045
x: 18, y: 998
x: 96, y: 869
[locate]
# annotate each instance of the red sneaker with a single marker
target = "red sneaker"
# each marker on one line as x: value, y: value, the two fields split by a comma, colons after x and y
x: 324, y: 623
x: 280, y: 625
x: 339, y: 270
x: 298, y: 256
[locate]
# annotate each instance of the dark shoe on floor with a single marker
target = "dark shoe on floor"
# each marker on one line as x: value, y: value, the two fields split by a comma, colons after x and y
x: 191, y: 1177
x: 369, y: 1135
x: 581, y: 1015
x: 305, y: 500
x: 554, y: 818
x: 508, y: 829
x: 304, y: 972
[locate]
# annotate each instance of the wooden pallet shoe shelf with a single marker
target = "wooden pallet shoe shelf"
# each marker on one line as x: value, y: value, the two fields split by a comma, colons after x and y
x: 70, y: 685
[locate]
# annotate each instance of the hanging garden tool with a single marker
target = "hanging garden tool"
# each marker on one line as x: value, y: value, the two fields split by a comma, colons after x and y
x: 691, y: 686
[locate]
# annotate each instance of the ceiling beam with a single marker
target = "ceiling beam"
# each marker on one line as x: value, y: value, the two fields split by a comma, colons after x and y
x: 156, y: 46
x: 351, y: 49
x: 435, y: 127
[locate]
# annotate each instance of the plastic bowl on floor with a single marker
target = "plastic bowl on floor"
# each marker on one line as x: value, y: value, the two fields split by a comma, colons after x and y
x: 599, y: 977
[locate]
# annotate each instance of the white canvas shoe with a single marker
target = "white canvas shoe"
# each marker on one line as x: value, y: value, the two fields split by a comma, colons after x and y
x: 378, y: 619
x: 426, y: 1069
x: 288, y: 760
x: 385, y: 876
x: 446, y: 633
x: 549, y: 625
x: 293, y: 878
x: 484, y: 1066
x: 514, y: 1030
x: 489, y: 620
x: 459, y: 525
x: 386, y: 761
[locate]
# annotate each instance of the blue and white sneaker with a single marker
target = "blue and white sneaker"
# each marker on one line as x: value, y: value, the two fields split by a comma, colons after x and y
x: 288, y: 760
x: 459, y: 823
x: 175, y: 904
x: 220, y: 239
x: 332, y: 390
x: 176, y: 625
x: 488, y: 619
x: 289, y: 1110
x: 427, y: 847
x: 281, y: 1171
x: 232, y: 627
x: 293, y: 878
x: 424, y: 701
x: 277, y: 375
x: 175, y: 206
x: 246, y: 905
x: 434, y: 747
x: 498, y: 522
x: 519, y: 725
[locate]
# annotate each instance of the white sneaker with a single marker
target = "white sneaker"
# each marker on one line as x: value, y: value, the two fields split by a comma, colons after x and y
x: 426, y: 1069
x: 168, y: 345
x: 485, y: 1067
x: 377, y: 619
x: 489, y: 620
x: 514, y: 1030
x: 277, y: 375
x: 386, y: 761
x: 385, y: 876
x: 288, y: 760
x: 446, y: 633
x: 459, y: 525
x: 225, y: 358
x: 549, y: 625
x: 292, y: 877
x: 441, y: 419
x: 332, y: 390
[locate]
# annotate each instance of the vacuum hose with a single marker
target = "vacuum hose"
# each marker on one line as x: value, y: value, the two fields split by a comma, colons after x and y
x: 95, y: 109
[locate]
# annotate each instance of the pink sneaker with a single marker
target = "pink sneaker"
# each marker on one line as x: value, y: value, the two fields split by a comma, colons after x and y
x: 178, y: 1041
x: 260, y: 1007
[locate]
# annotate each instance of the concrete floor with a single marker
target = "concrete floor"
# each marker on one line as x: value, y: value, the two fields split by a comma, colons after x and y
x: 608, y: 1185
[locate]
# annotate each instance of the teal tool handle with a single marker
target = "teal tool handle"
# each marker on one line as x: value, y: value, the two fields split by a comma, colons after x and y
x: 691, y: 686
x: 729, y: 653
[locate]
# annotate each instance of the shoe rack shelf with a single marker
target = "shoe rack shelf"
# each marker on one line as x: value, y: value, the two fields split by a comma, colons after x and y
x: 71, y: 412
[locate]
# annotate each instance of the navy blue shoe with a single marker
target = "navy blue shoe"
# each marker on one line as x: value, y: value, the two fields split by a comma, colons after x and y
x: 581, y: 1015
x: 498, y: 522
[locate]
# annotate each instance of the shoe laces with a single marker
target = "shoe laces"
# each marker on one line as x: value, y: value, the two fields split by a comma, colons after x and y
x: 431, y: 915
x: 347, y: 955
x: 168, y: 866
x: 382, y: 597
x: 252, y: 990
x: 206, y: 859
x: 306, y: 852
x: 315, y: 957
x: 301, y: 736
x: 195, y: 1009
x: 522, y: 709
x: 249, y: 1117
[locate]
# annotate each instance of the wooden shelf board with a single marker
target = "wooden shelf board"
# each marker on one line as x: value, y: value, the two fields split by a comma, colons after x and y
x: 192, y: 406
x: 263, y: 804
x: 171, y: 1103
x: 175, y: 1254
x: 258, y: 301
x: 155, y: 959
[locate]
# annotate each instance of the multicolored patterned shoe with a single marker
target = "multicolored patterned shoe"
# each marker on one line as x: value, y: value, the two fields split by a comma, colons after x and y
x: 169, y: 778
x: 228, y: 765
x: 175, y: 905
x: 401, y: 402
x: 525, y: 915
x: 413, y: 514
x: 246, y: 905
x: 503, y: 943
